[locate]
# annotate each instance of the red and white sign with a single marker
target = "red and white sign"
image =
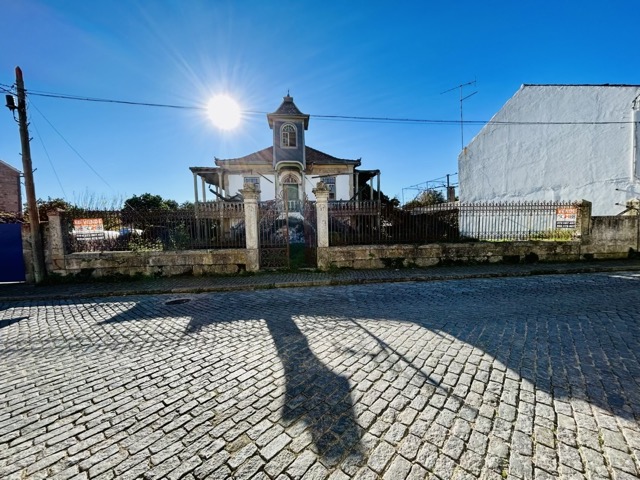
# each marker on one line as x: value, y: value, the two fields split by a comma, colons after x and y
x: 88, y: 225
x: 566, y: 217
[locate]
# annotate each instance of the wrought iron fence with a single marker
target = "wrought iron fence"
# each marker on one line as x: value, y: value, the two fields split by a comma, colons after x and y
x: 519, y: 221
x: 273, y: 233
x: 207, y: 226
x: 365, y: 222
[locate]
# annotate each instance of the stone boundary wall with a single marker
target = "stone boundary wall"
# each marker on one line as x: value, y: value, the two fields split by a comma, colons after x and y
x: 612, y: 237
x: 401, y: 256
x: 599, y: 238
x: 603, y: 238
x: 165, y: 264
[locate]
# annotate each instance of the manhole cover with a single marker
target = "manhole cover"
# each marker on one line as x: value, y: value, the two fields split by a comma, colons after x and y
x: 177, y: 301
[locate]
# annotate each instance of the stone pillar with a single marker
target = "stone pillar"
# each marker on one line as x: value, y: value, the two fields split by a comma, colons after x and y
x: 55, y: 254
x: 633, y: 207
x: 321, y: 193
x: 583, y: 223
x: 27, y: 253
x: 250, y: 194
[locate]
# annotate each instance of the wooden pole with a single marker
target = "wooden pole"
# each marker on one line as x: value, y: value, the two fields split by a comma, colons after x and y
x: 39, y: 270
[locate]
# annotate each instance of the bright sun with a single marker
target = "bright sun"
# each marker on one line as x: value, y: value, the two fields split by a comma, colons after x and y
x: 224, y: 112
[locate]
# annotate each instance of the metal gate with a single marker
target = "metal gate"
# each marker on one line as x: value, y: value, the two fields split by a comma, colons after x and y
x: 11, y: 259
x: 310, y: 234
x: 273, y: 234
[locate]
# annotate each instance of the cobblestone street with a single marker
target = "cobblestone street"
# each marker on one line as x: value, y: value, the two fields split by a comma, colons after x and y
x: 531, y: 378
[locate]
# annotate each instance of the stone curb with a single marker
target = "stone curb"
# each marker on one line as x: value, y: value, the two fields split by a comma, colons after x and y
x: 321, y: 283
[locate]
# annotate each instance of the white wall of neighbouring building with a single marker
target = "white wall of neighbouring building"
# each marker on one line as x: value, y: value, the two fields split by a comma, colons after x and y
x: 558, y: 142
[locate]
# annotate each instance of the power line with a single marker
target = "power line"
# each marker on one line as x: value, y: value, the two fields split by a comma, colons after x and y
x: 46, y: 152
x: 72, y: 148
x: 351, y: 118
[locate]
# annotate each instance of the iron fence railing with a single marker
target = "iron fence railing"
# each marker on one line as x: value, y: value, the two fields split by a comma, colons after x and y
x: 367, y: 222
x: 204, y: 227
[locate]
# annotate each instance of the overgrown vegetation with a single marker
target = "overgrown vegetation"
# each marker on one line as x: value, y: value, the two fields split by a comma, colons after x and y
x: 426, y: 198
x: 144, y: 222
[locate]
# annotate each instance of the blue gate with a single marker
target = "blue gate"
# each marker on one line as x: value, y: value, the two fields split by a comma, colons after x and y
x: 11, y: 260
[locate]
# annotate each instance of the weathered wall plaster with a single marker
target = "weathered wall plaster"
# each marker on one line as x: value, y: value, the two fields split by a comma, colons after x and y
x: 546, y: 161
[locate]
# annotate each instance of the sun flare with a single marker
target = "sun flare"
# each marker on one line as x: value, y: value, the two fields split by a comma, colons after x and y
x: 224, y: 112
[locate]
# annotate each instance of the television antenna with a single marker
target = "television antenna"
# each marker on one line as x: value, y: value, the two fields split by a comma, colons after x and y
x: 462, y: 99
x: 439, y: 184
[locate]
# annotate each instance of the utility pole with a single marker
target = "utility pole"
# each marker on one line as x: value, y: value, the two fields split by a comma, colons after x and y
x: 34, y: 217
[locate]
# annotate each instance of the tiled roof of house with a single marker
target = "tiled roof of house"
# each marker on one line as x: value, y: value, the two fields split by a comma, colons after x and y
x: 321, y: 158
x: 288, y: 109
x: 261, y: 157
x: 265, y: 157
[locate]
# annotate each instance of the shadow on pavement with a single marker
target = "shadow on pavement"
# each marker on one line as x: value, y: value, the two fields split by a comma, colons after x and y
x: 561, y: 334
x: 314, y: 394
x: 10, y: 321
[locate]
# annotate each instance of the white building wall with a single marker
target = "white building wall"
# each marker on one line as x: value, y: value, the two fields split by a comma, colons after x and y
x: 343, y: 190
x: 267, y: 188
x: 236, y: 183
x: 309, y: 184
x: 569, y: 161
x: 343, y: 187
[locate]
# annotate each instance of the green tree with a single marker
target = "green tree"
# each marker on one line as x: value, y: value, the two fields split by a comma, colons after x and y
x: 368, y: 193
x: 47, y: 205
x: 426, y: 198
x: 148, y: 202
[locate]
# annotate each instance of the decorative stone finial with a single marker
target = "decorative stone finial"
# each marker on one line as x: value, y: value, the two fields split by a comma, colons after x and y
x: 322, y: 187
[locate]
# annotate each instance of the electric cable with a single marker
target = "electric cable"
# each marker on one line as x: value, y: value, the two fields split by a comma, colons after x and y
x: 46, y: 152
x: 350, y: 118
x: 73, y: 149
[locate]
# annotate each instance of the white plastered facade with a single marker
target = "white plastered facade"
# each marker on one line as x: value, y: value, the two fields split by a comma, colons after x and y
x: 558, y: 142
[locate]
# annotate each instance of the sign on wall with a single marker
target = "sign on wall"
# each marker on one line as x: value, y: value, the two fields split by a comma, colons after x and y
x: 566, y: 217
x: 88, y: 225
x: 87, y: 229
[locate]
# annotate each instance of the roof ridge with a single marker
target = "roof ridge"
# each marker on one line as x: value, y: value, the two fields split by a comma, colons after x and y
x: 10, y: 166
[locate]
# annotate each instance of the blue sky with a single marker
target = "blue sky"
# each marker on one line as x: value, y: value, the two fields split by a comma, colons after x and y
x: 357, y: 58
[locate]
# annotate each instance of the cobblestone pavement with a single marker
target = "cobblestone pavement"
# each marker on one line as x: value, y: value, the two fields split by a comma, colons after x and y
x: 535, y: 377
x: 89, y: 288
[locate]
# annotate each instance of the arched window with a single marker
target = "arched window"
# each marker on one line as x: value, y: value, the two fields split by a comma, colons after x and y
x: 290, y: 187
x: 288, y: 135
x: 290, y: 178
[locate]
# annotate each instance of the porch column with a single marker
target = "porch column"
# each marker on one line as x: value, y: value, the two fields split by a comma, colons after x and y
x: 204, y: 190
x: 250, y: 194
x: 195, y: 187
x: 356, y: 190
x: 321, y: 193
